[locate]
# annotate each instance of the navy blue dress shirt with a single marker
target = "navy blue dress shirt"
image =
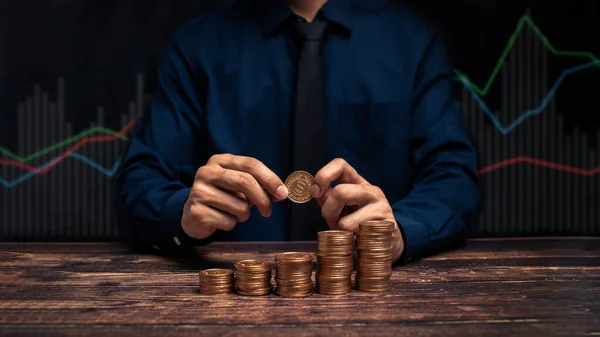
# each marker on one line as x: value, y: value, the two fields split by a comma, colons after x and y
x: 225, y: 85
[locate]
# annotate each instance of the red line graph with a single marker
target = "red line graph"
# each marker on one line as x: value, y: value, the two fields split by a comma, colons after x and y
x: 66, y: 154
x: 128, y: 126
x: 539, y: 162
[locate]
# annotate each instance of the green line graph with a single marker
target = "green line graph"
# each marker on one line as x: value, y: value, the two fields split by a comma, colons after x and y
x: 65, y: 142
x: 522, y: 22
x: 525, y: 20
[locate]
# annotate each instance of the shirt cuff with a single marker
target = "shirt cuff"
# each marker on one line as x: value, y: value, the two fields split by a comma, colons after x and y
x: 415, y: 236
x: 172, y: 212
x: 173, y: 208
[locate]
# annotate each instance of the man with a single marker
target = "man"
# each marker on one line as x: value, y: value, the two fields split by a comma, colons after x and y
x: 357, y: 93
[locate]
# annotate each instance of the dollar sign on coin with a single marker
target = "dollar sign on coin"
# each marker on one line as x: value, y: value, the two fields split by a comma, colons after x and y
x: 299, y: 184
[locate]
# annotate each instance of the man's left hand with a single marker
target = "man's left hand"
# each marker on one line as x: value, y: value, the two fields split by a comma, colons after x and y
x: 367, y: 201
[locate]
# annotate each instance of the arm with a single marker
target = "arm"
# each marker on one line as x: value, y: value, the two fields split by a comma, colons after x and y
x: 445, y: 192
x: 172, y: 192
x: 150, y: 192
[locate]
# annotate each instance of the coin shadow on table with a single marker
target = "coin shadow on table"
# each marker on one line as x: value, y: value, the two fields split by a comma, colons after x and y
x: 442, y: 246
x: 197, y: 260
x: 189, y: 259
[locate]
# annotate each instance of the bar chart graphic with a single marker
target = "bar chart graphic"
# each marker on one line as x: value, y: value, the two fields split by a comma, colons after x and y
x: 62, y: 191
x: 536, y: 177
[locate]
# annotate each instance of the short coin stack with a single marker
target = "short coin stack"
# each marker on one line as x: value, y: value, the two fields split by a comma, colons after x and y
x: 216, y: 281
x: 336, y: 263
x: 253, y: 278
x: 294, y: 274
x: 374, y: 256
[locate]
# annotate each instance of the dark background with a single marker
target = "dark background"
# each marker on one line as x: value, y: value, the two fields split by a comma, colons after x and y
x: 99, y: 47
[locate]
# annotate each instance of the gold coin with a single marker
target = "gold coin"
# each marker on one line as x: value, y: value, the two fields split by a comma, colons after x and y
x: 294, y: 274
x: 374, y: 256
x: 216, y: 281
x: 299, y: 184
x: 294, y: 257
x: 216, y: 272
x: 253, y: 278
x: 252, y: 265
x: 381, y: 226
x: 336, y: 234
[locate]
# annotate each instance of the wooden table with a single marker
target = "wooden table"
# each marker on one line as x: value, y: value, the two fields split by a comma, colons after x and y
x: 490, y: 287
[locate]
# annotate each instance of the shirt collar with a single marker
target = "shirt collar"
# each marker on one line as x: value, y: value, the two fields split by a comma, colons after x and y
x: 272, y: 13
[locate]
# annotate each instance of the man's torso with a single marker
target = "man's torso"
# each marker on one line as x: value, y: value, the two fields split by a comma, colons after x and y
x: 370, y: 72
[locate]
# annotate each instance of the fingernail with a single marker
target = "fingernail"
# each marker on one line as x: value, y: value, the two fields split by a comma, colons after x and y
x: 315, y: 191
x: 281, y: 192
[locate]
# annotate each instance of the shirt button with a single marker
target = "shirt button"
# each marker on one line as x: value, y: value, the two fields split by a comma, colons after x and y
x: 177, y: 242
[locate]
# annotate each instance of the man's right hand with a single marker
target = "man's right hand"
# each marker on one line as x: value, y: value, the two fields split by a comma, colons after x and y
x: 225, y: 190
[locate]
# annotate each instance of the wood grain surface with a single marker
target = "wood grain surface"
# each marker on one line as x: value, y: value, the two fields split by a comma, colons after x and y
x: 529, y: 287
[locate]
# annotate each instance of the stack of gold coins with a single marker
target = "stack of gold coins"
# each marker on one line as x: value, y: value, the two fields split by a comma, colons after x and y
x: 374, y: 255
x: 253, y: 278
x: 336, y: 263
x: 294, y: 274
x: 216, y: 281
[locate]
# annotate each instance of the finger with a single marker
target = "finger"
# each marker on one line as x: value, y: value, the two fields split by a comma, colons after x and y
x: 345, y: 195
x: 210, y: 173
x: 243, y: 197
x: 265, y: 177
x: 351, y: 221
x: 205, y: 218
x: 237, y: 181
x: 223, y: 221
x: 325, y: 195
x: 336, y: 170
x: 347, y: 210
x: 223, y: 201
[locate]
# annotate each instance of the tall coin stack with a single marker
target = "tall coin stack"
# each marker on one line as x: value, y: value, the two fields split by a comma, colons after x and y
x: 216, y: 281
x: 253, y: 278
x: 374, y: 256
x: 294, y: 274
x: 336, y: 263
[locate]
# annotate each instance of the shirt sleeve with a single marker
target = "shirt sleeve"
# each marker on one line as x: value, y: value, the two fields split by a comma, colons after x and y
x: 445, y: 192
x: 151, y: 186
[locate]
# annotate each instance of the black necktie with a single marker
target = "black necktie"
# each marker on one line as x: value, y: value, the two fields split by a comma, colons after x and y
x: 309, y: 123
